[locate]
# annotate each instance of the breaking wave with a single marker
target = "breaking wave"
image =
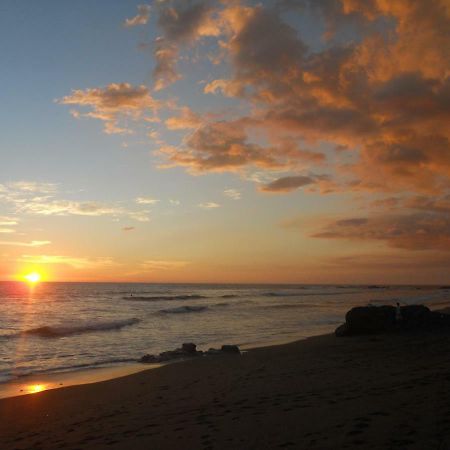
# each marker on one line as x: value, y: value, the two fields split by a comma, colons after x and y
x: 281, y: 294
x: 89, y: 327
x: 221, y: 304
x: 306, y: 294
x: 156, y: 298
x: 287, y: 306
x: 184, y: 309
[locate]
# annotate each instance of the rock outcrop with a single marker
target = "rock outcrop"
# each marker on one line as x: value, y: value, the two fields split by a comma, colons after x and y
x: 187, y: 350
x: 230, y: 349
x: 378, y: 319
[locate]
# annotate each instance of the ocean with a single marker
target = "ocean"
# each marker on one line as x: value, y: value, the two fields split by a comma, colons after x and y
x: 61, y: 327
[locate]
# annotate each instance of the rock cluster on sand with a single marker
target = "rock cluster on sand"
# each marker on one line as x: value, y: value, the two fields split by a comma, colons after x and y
x: 379, y: 319
x: 187, y: 350
x: 229, y: 349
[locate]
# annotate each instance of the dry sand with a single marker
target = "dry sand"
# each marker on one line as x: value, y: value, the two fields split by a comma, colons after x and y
x: 383, y: 392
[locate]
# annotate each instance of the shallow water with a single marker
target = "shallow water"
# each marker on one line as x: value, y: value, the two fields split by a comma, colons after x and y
x: 59, y: 327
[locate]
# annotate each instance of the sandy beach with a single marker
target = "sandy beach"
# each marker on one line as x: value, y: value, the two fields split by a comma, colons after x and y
x: 377, y: 392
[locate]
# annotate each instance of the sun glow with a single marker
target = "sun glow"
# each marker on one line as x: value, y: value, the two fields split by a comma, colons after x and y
x: 33, y: 277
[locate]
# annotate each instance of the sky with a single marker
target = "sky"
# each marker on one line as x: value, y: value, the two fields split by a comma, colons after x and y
x: 281, y: 141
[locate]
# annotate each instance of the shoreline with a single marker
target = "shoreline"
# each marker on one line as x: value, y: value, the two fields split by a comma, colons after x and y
x: 375, y: 392
x: 35, y: 383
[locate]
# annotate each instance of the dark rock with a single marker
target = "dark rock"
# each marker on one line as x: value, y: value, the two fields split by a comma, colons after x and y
x: 379, y: 319
x: 415, y: 316
x: 439, y: 319
x: 230, y: 349
x: 189, y: 347
x: 214, y: 351
x: 341, y: 330
x: 370, y: 319
x: 171, y: 354
x: 149, y: 359
x: 187, y: 350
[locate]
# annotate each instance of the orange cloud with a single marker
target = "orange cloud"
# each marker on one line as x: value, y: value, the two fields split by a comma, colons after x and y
x: 182, y: 22
x: 113, y: 103
x: 412, y: 231
x: 185, y: 120
x: 386, y: 96
x: 224, y: 146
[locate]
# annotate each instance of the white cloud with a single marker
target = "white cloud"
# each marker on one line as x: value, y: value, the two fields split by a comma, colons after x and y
x: 7, y: 230
x: 232, y: 193
x: 66, y: 207
x: 25, y: 244
x: 151, y: 265
x: 141, y: 18
x: 20, y: 191
x: 22, y: 195
x: 7, y: 224
x: 208, y: 205
x: 146, y: 201
x: 140, y: 216
x: 76, y: 263
x: 33, y: 186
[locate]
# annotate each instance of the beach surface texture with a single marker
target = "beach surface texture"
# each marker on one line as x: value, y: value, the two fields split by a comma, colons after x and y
x: 373, y: 392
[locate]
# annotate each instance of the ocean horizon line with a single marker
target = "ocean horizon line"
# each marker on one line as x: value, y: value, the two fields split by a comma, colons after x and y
x: 232, y: 283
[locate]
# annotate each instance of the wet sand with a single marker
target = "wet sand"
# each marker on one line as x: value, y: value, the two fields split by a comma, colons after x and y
x: 380, y: 392
x: 36, y: 383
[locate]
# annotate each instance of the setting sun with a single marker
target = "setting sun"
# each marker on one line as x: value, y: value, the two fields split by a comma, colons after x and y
x: 33, y: 277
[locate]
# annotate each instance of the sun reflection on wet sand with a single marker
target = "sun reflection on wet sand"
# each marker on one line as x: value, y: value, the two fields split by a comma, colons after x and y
x: 59, y: 380
x: 35, y: 388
